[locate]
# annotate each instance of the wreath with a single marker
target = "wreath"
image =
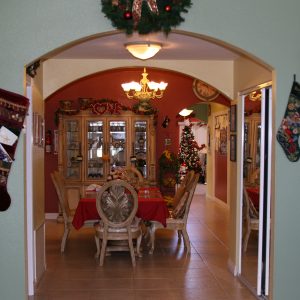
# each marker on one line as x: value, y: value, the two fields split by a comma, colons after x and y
x: 145, y: 16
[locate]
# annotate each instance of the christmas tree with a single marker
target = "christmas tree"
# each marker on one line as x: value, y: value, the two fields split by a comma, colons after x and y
x: 188, y: 151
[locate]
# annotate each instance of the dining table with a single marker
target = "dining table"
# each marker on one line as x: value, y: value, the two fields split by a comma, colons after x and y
x: 151, y: 207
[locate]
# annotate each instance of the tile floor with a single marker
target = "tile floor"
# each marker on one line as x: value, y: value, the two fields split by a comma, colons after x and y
x: 168, y: 274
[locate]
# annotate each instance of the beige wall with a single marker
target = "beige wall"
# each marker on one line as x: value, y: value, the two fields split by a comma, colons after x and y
x: 59, y: 72
x: 248, y: 74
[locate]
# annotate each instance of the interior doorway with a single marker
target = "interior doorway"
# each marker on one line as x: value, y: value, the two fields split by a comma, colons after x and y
x: 255, y: 187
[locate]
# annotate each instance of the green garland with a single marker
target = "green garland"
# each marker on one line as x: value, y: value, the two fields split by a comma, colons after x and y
x: 169, y: 15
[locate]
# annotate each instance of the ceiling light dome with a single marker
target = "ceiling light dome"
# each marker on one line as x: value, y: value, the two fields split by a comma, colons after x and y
x: 185, y: 112
x: 143, y: 50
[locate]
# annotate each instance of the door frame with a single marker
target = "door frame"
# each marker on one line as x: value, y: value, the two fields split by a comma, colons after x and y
x: 240, y: 154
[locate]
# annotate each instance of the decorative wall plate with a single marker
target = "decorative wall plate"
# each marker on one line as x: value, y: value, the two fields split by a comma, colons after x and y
x: 204, y: 91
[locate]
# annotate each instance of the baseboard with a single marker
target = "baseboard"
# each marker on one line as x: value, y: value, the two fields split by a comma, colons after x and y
x: 51, y: 216
x: 232, y: 267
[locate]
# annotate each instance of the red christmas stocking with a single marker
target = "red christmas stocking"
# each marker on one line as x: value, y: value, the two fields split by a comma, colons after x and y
x: 13, y: 110
x: 289, y: 130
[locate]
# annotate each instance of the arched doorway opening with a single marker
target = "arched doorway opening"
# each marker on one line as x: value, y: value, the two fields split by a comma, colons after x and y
x: 218, y: 84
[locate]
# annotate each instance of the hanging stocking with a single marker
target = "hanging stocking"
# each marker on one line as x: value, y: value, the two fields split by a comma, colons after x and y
x: 13, y: 110
x: 289, y: 130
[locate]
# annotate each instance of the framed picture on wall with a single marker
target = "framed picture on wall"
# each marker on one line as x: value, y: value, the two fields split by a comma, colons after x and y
x: 208, y: 139
x: 233, y: 118
x: 232, y: 147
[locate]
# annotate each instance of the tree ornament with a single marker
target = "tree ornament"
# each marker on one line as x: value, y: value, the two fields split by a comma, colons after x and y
x: 168, y: 8
x: 127, y: 15
x: 146, y: 15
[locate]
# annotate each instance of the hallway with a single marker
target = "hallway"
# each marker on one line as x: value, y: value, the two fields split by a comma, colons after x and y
x: 167, y: 274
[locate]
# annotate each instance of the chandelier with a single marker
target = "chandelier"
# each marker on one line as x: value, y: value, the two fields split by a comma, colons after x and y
x: 145, y: 90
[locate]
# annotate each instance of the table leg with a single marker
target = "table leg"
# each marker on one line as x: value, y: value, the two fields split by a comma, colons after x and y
x: 154, y: 225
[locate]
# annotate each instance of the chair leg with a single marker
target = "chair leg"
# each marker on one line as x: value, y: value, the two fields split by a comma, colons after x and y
x: 246, y: 239
x: 179, y: 233
x: 131, y: 247
x: 103, y: 250
x: 97, y: 240
x: 138, y: 245
x: 154, y: 225
x: 186, y: 240
x: 64, y: 238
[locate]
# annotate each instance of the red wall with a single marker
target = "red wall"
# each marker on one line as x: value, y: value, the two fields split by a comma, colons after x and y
x: 178, y: 95
x: 221, y: 176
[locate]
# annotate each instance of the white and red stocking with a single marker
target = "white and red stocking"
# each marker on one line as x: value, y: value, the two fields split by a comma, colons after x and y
x: 13, y: 110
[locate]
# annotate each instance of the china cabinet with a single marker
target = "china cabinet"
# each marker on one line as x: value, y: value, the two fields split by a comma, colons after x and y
x: 91, y: 146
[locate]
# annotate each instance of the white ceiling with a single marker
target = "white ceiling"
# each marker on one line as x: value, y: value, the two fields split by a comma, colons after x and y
x: 176, y: 46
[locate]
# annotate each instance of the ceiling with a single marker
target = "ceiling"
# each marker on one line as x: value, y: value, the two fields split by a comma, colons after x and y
x: 176, y: 46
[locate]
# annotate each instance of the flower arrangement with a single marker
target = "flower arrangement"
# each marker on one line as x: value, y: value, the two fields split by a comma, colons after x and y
x: 168, y: 168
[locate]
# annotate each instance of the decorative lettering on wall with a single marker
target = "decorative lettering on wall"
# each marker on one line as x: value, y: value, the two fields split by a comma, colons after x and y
x: 113, y: 108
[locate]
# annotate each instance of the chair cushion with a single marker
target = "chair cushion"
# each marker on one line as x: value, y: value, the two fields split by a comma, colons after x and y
x: 135, y: 225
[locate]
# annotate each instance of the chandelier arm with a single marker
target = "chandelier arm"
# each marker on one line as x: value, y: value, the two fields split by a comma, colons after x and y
x: 129, y: 96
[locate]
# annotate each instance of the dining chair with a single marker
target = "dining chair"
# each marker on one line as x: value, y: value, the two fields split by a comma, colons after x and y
x: 182, y: 187
x: 179, y: 216
x: 132, y: 175
x: 250, y: 218
x: 67, y: 211
x: 117, y: 203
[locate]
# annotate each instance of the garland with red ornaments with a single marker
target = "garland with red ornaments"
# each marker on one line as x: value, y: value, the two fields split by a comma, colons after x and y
x: 145, y: 16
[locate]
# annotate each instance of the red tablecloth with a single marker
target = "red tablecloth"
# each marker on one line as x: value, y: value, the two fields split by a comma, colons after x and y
x: 151, y: 207
x: 253, y: 193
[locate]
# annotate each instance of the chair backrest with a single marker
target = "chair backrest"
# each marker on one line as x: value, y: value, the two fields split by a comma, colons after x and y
x: 248, y: 207
x: 188, y: 177
x: 117, y: 203
x: 133, y: 176
x: 181, y: 211
x: 191, y: 187
x: 183, y: 188
x: 59, y: 187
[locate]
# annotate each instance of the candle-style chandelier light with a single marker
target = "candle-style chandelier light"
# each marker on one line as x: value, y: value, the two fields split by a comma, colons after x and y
x: 145, y: 89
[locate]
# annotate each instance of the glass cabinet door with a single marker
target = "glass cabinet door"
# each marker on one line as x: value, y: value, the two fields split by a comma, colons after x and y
x: 73, y: 156
x: 257, y: 143
x: 140, y: 146
x: 95, y: 145
x: 117, y: 145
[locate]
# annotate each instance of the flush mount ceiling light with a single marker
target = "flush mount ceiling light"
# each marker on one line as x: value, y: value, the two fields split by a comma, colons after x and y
x: 143, y: 50
x: 185, y: 112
